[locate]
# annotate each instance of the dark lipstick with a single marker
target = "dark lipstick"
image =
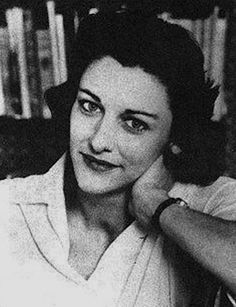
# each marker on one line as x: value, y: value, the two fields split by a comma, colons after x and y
x: 97, y: 164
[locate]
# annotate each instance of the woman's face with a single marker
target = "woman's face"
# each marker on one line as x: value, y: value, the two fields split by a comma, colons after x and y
x: 119, y: 124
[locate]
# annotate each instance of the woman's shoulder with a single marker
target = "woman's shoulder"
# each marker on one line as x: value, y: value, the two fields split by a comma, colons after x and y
x: 33, y: 188
x: 12, y: 193
x: 20, y: 189
x: 214, y: 199
x: 222, y: 198
x: 223, y: 186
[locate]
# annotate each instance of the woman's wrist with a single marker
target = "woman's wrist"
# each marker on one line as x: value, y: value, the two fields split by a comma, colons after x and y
x: 164, y: 209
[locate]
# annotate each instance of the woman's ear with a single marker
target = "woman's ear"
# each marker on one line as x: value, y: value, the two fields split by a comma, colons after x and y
x: 175, y: 149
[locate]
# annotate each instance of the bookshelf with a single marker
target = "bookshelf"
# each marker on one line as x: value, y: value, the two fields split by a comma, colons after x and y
x: 39, y: 56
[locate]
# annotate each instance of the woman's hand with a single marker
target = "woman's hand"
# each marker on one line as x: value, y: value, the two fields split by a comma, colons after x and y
x: 149, y: 191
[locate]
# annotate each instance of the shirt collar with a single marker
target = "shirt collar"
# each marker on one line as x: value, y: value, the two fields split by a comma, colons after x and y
x: 56, y: 202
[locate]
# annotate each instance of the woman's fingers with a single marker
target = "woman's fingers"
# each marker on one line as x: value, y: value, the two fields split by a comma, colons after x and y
x: 155, y: 176
x: 144, y: 203
x: 149, y: 191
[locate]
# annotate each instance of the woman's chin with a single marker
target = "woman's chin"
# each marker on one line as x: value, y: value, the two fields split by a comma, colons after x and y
x: 94, y: 189
x: 102, y: 183
x: 101, y: 187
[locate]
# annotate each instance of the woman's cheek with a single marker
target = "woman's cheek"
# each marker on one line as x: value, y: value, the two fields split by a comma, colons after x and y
x: 81, y: 127
x: 139, y: 155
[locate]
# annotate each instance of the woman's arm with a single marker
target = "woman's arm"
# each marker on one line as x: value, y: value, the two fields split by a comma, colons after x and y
x: 209, y: 240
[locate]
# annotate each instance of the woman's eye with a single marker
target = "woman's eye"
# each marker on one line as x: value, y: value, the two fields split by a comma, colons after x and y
x: 137, y: 125
x: 89, y: 106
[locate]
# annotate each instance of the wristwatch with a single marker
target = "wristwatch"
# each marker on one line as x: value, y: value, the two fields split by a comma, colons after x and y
x: 165, y: 204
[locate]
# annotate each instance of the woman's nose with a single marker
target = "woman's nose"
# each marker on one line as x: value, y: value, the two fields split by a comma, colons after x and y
x: 103, y: 138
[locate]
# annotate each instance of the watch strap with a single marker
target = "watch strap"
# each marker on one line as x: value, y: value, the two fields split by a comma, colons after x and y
x: 165, y: 204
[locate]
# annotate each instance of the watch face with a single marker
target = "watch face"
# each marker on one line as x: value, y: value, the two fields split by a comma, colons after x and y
x: 180, y: 202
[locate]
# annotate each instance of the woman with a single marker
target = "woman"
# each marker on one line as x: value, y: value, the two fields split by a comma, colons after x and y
x: 136, y: 110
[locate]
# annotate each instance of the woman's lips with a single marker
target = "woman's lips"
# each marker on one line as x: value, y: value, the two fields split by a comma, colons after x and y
x: 98, y: 165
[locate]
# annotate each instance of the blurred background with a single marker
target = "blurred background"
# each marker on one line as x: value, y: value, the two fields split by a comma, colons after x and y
x: 35, y: 42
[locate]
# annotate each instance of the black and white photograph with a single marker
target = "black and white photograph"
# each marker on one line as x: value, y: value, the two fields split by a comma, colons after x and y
x: 118, y: 153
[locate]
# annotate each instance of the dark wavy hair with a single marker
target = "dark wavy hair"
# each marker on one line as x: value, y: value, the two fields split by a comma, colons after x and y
x: 170, y: 53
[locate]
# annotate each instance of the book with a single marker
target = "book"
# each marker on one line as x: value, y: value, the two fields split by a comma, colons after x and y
x: 54, y: 41
x: 32, y: 62
x: 207, y: 44
x: 4, y: 74
x: 18, y: 63
x: 61, y: 48
x: 45, y: 65
x: 217, y: 63
x: 198, y: 31
x: 2, y: 97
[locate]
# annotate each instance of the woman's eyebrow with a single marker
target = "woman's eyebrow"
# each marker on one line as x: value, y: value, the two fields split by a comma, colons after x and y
x: 88, y: 92
x: 129, y: 111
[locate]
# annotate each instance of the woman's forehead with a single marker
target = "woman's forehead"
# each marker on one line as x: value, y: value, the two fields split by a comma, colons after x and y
x: 108, y: 79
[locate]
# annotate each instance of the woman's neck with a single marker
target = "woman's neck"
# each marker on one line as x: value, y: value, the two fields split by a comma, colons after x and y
x: 106, y: 211
x: 110, y: 210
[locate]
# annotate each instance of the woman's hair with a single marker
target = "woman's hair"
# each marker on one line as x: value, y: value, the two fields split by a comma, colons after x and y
x: 170, y: 53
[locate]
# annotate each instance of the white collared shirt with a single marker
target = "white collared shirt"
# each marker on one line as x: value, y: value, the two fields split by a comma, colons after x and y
x: 135, y: 270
